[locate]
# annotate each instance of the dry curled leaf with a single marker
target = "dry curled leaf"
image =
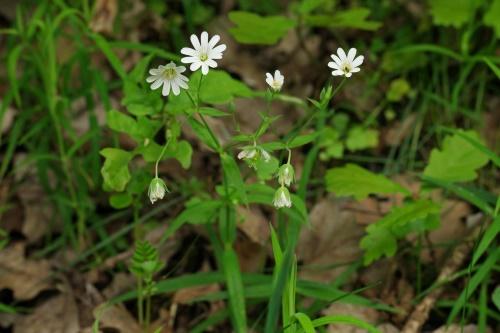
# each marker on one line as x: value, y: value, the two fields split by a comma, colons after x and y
x: 25, y: 277
x: 57, y: 315
x: 104, y: 16
x: 116, y: 317
x: 332, y: 240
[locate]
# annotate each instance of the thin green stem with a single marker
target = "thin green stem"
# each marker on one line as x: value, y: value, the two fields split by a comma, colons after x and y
x: 160, y: 157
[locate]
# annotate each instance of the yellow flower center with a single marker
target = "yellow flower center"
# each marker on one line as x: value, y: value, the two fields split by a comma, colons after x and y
x: 203, y: 57
x: 169, y: 73
x: 347, y: 68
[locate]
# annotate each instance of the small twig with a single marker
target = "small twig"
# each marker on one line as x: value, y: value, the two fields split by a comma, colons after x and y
x: 421, y: 312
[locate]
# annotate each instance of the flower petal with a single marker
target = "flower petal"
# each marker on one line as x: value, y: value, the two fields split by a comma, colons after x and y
x: 195, y: 42
x: 218, y: 49
x: 157, y: 84
x: 166, y: 88
x: 355, y: 70
x: 333, y: 65
x: 180, y: 69
x: 204, y: 40
x: 189, y: 51
x: 194, y: 66
x: 348, y: 74
x: 189, y: 60
x: 351, y: 54
x: 182, y: 84
x: 341, y: 54
x: 213, y: 41
x: 211, y: 63
x: 358, y: 61
x: 175, y: 88
x: 337, y: 72
x: 337, y: 60
x: 204, y: 69
x: 150, y: 79
x: 155, y: 71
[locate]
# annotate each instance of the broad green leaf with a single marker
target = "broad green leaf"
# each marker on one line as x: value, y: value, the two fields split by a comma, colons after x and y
x: 302, y: 140
x: 120, y: 122
x: 217, y: 87
x: 202, y: 133
x: 305, y: 322
x: 352, y: 18
x: 267, y: 170
x: 458, y: 159
x: 359, y: 138
x: 254, y: 29
x: 181, y: 151
x: 115, y: 169
x: 359, y: 182
x: 492, y: 17
x: 331, y: 144
x: 140, y: 101
x: 398, y: 89
x: 495, y: 297
x: 120, y: 200
x: 381, y: 238
x: 452, y: 12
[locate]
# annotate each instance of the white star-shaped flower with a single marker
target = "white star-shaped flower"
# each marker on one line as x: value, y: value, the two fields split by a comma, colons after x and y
x: 275, y: 82
x: 204, y: 52
x: 345, y: 65
x: 170, y: 77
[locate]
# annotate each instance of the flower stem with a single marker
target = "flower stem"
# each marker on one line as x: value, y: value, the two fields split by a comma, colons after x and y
x: 160, y: 157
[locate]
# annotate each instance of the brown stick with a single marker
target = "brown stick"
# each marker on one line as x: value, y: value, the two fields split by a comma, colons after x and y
x: 421, y: 312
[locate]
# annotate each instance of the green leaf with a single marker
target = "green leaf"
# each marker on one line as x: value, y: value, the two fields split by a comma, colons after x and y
x: 305, y: 322
x: 398, y: 89
x: 352, y: 18
x: 115, y: 62
x: 381, y: 238
x: 495, y: 297
x: 181, y: 151
x: 254, y: 29
x: 359, y: 138
x: 458, y: 159
x: 217, y: 87
x: 452, y: 12
x: 120, y: 200
x: 267, y: 170
x: 489, y: 235
x: 115, y: 169
x: 359, y: 182
x: 342, y: 319
x: 234, y: 285
x: 233, y: 177
x: 120, y: 122
x: 302, y: 140
x: 202, y: 133
x: 492, y: 17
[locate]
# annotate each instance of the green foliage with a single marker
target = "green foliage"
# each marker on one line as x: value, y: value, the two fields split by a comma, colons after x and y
x: 145, y: 261
x: 492, y: 17
x: 382, y: 236
x: 452, y: 12
x: 458, y: 160
x: 495, y: 297
x: 359, y: 182
x: 398, y: 89
x: 115, y: 172
x: 355, y: 18
x: 254, y: 29
x: 359, y: 138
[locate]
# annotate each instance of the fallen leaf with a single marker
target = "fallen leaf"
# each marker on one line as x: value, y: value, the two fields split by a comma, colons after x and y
x: 455, y: 328
x: 116, y: 317
x: 57, y: 315
x: 332, y: 240
x: 254, y: 224
x: 104, y: 15
x: 251, y: 255
x: 25, y: 277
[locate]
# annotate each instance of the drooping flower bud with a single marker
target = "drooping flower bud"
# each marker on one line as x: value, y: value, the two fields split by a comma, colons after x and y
x: 157, y: 189
x: 286, y: 174
x: 282, y: 198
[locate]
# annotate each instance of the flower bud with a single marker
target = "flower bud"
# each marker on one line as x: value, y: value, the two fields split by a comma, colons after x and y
x: 157, y: 190
x: 286, y: 174
x: 282, y: 198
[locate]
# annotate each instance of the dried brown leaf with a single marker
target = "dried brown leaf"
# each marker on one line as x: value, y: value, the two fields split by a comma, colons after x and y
x: 25, y: 277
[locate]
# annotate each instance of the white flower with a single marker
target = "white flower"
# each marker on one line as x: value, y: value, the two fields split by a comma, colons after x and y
x: 157, y: 190
x: 265, y: 155
x: 170, y: 77
x: 275, y: 82
x: 345, y: 65
x: 247, y: 153
x: 204, y: 53
x: 286, y: 174
x: 282, y: 198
